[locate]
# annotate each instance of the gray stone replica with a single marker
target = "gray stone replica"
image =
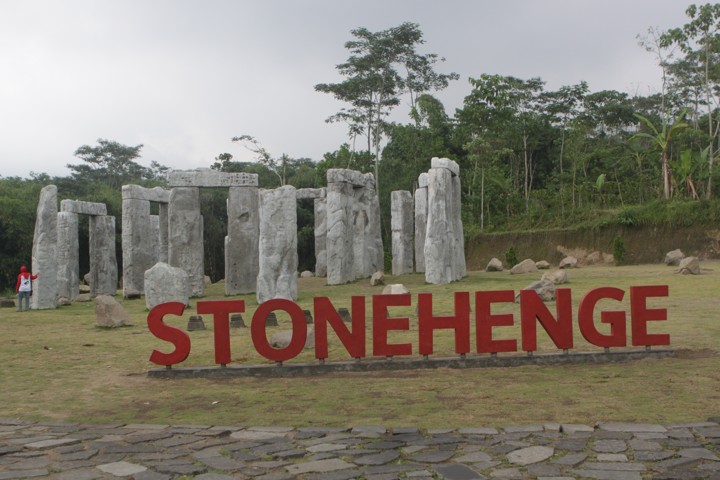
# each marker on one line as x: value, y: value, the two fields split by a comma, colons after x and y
x: 421, y: 211
x: 141, y: 233
x: 568, y: 262
x: 277, y: 277
x: 68, y: 256
x: 185, y: 236
x: 103, y: 261
x: 494, y: 265
x: 353, y: 242
x: 689, y: 266
x: 109, y: 313
x: 526, y: 266
x: 544, y: 287
x: 674, y: 257
x: 80, y: 207
x: 242, y: 241
x: 206, y: 177
x: 44, y: 251
x: 320, y: 211
x: 444, y: 241
x: 164, y: 283
x: 558, y: 277
x: 401, y: 224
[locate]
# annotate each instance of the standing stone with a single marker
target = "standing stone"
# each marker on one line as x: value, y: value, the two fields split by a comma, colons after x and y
x: 155, y: 238
x: 163, y: 239
x: 185, y: 236
x: 339, y: 239
x: 421, y: 211
x: 459, y: 265
x: 277, y: 276
x: 376, y: 251
x: 44, y: 251
x: 163, y: 283
x: 137, y: 241
x: 401, y: 221
x: 439, y: 238
x: 320, y: 210
x: 68, y: 258
x: 242, y: 241
x: 103, y: 260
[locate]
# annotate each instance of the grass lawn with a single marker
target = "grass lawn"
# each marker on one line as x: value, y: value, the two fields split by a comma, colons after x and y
x: 58, y: 366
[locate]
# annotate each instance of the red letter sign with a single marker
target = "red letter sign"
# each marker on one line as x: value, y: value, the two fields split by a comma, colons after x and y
x: 460, y: 322
x: 299, y: 335
x: 616, y: 319
x: 221, y: 310
x: 532, y: 307
x: 177, y: 337
x: 484, y: 322
x: 325, y: 313
x: 641, y: 315
x: 382, y: 325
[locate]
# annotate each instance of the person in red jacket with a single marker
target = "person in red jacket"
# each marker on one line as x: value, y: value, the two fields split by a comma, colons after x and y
x: 24, y: 288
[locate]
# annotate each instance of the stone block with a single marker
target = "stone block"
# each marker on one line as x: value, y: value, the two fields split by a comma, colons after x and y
x: 421, y: 212
x: 206, y: 177
x: 109, y: 313
x: 44, y: 251
x: 454, y: 168
x: 137, y: 242
x: 308, y: 193
x: 401, y: 208
x: 68, y: 256
x: 320, y: 211
x: 352, y: 177
x: 242, y: 242
x: 423, y: 180
x: 103, y: 261
x: 185, y: 236
x: 164, y: 283
x: 136, y: 192
x: 83, y: 208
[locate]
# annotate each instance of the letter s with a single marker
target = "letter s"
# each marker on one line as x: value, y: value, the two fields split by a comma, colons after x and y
x: 177, y: 337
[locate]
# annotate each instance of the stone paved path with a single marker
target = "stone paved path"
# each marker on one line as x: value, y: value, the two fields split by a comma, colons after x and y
x: 609, y: 451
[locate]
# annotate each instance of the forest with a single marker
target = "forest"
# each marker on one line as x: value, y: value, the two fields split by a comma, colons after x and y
x: 530, y: 157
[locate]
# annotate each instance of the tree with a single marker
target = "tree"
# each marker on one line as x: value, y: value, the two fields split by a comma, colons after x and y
x: 381, y: 68
x: 662, y: 138
x: 110, y: 163
x: 277, y: 165
x: 700, y: 39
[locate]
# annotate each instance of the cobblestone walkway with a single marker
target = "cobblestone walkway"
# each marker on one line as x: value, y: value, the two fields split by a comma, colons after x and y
x: 612, y: 451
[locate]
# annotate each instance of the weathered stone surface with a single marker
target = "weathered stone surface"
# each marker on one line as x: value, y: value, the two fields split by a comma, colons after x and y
x: 339, y: 240
x: 137, y: 242
x: 282, y: 339
x: 195, y: 322
x: 558, y: 277
x: 436, y: 162
x: 568, y: 262
x: 83, y: 208
x: 526, y: 266
x: 544, y: 288
x: 206, y: 177
x: 68, y: 257
x: 306, y: 274
x: 423, y: 180
x: 395, y: 289
x: 277, y: 277
x: 319, y: 466
x: 421, y: 212
x: 44, y: 251
x: 155, y: 239
x: 163, y: 245
x: 320, y: 232
x: 368, y: 256
x: 155, y: 194
x: 109, y: 313
x: 443, y: 243
x: 674, y: 257
x: 401, y: 207
x: 542, y: 265
x: 103, y: 262
x: 530, y: 455
x: 242, y: 244
x: 310, y: 193
x: 351, y: 177
x: 689, y: 266
x: 164, y: 283
x: 185, y: 236
x: 122, y: 469
x: 378, y: 278
x: 494, y: 265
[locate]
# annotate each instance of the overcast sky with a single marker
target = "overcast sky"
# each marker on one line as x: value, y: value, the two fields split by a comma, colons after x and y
x: 183, y: 77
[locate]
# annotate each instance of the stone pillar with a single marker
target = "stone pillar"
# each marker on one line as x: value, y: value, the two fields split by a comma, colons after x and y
x: 103, y: 260
x: 421, y: 211
x: 460, y: 269
x: 320, y: 210
x: 277, y: 277
x: 361, y: 203
x: 242, y: 241
x: 401, y: 221
x: 68, y: 275
x: 185, y: 236
x: 44, y: 251
x: 376, y: 251
x: 163, y: 238
x: 154, y: 239
x: 339, y: 239
x: 137, y: 242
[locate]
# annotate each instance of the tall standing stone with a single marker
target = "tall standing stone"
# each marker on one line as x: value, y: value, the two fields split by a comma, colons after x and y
x: 163, y: 238
x: 242, y: 241
x: 44, y: 251
x: 155, y: 238
x: 460, y: 268
x: 137, y: 240
x: 277, y: 277
x: 320, y: 211
x: 421, y: 211
x: 103, y: 260
x: 68, y: 258
x: 185, y: 236
x: 339, y: 240
x: 401, y: 223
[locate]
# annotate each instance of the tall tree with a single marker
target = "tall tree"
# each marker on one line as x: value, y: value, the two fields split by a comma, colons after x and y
x: 381, y: 68
x: 110, y: 163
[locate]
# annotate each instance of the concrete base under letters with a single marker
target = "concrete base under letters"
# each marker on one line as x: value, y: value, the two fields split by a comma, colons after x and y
x: 404, y: 363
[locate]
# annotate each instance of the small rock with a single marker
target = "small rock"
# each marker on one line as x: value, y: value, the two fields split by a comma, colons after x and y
x: 689, y: 266
x: 378, y: 278
x: 558, y: 277
x: 63, y: 302
x: 282, y: 339
x: 568, y: 262
x: 542, y: 265
x: 84, y: 289
x: 207, y: 281
x: 526, y: 266
x: 545, y: 289
x: 131, y: 294
x: 674, y: 257
x: 195, y: 322
x: 593, y: 258
x: 109, y: 313
x: 307, y: 274
x: 84, y: 297
x: 395, y: 289
x: 494, y: 265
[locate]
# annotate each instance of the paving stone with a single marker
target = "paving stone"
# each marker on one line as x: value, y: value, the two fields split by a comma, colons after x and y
x: 507, y: 473
x: 378, y: 458
x: 610, y: 446
x: 636, y: 445
x: 708, y: 432
x: 289, y: 454
x: 121, y: 469
x: 632, y: 427
x: 572, y: 445
x: 702, y: 453
x: 457, y: 472
x: 404, y: 430
x: 46, y: 444
x: 362, y: 429
x: 474, y: 457
x: 576, y: 427
x: 18, y: 474
x: 433, y: 456
x: 256, y: 435
x: 606, y: 475
x: 320, y: 466
x: 530, y: 455
x: 543, y: 469
x: 523, y: 428
x: 222, y: 463
x: 478, y: 431
x: 145, y: 426
x: 213, y: 476
x: 78, y: 474
x: 181, y: 469
x: 326, y: 447
x: 150, y: 475
x: 147, y: 436
x: 341, y: 475
x: 653, y: 456
x: 612, y: 457
x: 615, y: 466
x: 275, y: 476
x: 681, y: 443
x: 571, y: 459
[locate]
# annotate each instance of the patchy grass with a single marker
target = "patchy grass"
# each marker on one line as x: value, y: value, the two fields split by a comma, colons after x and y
x: 56, y: 365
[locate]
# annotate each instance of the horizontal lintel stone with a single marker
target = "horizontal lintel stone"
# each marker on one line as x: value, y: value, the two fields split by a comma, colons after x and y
x: 352, y: 177
x: 304, y: 193
x: 445, y: 163
x: 136, y: 192
x: 205, y: 177
x: 83, y: 208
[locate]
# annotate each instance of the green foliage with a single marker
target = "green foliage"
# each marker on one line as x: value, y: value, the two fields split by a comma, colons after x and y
x: 511, y: 257
x: 618, y: 249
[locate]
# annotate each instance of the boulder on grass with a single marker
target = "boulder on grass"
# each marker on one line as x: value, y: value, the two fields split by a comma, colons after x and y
x: 282, y: 339
x: 558, y: 277
x: 568, y: 262
x: 109, y: 313
x: 494, y: 265
x: 526, y: 266
x: 674, y: 257
x: 164, y: 283
x: 306, y: 274
x: 689, y: 266
x: 542, y: 265
x: 378, y: 278
x: 395, y: 289
x: 544, y: 288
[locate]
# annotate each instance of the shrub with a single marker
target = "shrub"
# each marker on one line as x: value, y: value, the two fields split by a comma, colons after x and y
x: 511, y: 257
x: 618, y: 249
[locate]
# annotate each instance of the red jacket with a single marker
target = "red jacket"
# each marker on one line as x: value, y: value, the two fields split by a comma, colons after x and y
x: 23, y: 274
